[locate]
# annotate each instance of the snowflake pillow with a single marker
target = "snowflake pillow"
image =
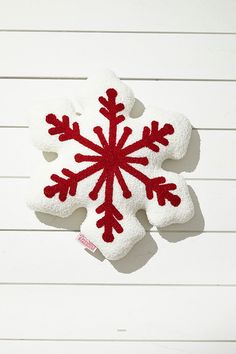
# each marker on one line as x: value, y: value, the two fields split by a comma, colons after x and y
x: 110, y: 164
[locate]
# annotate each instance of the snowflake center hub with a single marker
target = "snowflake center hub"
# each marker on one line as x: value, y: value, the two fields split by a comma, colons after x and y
x: 111, y: 158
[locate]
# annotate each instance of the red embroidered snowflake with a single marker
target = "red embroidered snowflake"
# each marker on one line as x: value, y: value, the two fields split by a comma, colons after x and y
x: 111, y: 157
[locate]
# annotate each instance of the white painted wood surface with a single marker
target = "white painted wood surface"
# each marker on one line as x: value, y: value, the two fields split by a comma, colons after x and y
x: 101, y: 347
x: 176, y: 290
x: 130, y: 55
x: 117, y: 312
x: 133, y: 15
x: 182, y: 258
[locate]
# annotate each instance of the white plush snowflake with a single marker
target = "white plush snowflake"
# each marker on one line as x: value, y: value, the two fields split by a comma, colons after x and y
x: 111, y: 164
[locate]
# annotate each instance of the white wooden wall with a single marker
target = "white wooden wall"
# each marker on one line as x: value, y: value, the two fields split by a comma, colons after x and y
x: 176, y: 289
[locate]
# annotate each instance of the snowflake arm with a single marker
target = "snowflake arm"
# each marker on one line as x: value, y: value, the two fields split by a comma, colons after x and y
x: 149, y: 137
x: 39, y: 127
x: 162, y: 216
x: 65, y: 132
x: 111, y: 217
x: 178, y: 141
x: 155, y: 185
x: 68, y: 186
x: 110, y: 220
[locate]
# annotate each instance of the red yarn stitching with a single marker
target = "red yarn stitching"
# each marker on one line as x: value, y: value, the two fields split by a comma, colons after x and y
x: 112, y: 157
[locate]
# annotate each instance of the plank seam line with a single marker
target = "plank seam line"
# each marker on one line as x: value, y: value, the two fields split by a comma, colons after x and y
x: 25, y: 30
x: 147, y: 230
x: 6, y: 77
x: 113, y: 284
x: 186, y: 178
x: 193, y: 128
x: 121, y: 340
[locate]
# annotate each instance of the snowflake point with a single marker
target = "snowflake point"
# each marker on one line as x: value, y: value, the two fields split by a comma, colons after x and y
x: 54, y: 177
x: 62, y: 137
x: 176, y: 200
x: 97, y: 129
x: 159, y: 180
x: 127, y: 130
x: 50, y: 118
x: 127, y: 194
x: 107, y: 237
x: 169, y: 128
x: 48, y: 191
x: 111, y: 93
x: 120, y: 119
x: 65, y: 171
x: 93, y: 195
x: 100, y: 209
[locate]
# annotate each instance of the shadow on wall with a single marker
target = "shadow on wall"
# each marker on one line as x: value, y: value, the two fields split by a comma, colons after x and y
x: 143, y: 251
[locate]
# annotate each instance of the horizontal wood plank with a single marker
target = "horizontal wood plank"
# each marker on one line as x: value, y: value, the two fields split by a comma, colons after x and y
x: 216, y: 147
x: 98, y: 312
x: 173, y: 258
x: 214, y: 205
x: 132, y: 15
x: 100, y: 347
x: 173, y: 56
x: 206, y: 104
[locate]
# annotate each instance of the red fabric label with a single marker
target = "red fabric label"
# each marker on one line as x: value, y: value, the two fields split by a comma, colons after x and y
x: 86, y: 243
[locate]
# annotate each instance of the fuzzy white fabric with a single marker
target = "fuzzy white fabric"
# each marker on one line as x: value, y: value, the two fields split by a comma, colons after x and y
x: 157, y: 215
